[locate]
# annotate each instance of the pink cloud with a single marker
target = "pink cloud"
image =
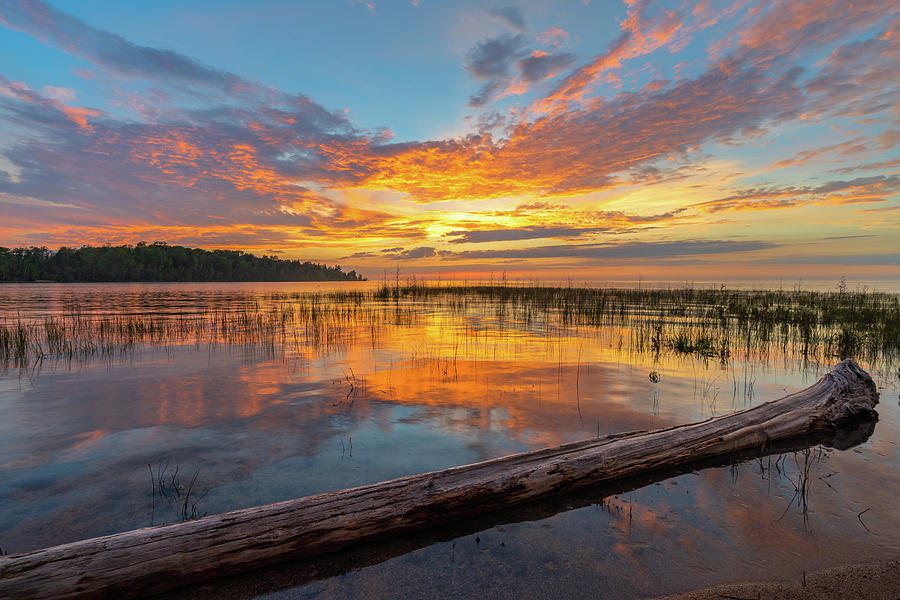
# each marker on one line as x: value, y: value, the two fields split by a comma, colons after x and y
x: 554, y: 36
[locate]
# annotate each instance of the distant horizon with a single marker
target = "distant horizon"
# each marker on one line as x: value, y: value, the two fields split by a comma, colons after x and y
x: 648, y: 275
x: 647, y: 139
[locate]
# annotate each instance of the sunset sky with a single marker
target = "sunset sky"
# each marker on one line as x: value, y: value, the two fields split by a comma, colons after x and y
x: 570, y: 138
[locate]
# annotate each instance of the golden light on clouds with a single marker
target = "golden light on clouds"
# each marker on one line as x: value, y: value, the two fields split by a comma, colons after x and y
x: 684, y: 140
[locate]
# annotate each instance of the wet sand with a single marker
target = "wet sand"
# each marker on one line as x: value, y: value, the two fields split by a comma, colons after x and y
x: 873, y: 581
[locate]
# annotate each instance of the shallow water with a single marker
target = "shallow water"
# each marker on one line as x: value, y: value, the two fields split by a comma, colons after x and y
x: 106, y: 442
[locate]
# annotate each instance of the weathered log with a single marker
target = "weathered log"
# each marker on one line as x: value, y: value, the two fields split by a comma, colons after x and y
x: 289, y: 574
x: 156, y: 559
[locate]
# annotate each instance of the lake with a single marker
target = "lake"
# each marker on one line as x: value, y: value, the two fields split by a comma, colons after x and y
x: 128, y: 405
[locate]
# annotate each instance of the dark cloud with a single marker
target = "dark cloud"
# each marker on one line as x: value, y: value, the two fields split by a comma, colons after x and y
x: 652, y: 174
x: 110, y: 50
x: 492, y: 60
x: 167, y: 67
x: 487, y: 92
x: 537, y: 68
x: 521, y: 233
x: 837, y: 259
x: 871, y: 166
x: 489, y: 121
x: 412, y: 253
x: 854, y: 191
x: 493, y: 57
x: 625, y: 250
x: 617, y: 216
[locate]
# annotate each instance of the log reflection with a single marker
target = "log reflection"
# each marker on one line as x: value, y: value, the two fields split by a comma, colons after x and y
x: 299, y: 572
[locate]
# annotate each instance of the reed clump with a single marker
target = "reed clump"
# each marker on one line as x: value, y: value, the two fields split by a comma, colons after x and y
x: 308, y: 321
x: 707, y: 323
x: 713, y: 322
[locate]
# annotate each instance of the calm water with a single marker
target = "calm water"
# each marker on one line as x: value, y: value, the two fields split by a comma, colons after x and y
x: 97, y: 443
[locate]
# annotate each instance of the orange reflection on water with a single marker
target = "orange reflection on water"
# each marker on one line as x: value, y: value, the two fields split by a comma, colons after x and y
x: 537, y: 403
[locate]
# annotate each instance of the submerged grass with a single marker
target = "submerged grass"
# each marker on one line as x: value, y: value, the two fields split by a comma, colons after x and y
x: 708, y: 323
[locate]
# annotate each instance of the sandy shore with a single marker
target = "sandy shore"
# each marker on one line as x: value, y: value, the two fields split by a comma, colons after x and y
x: 873, y: 581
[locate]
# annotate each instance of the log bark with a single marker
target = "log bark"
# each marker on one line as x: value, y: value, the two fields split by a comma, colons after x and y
x: 290, y: 574
x: 156, y: 559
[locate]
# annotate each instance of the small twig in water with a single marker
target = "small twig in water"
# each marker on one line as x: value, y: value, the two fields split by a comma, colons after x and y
x: 153, y: 486
x: 859, y: 518
x: 824, y: 477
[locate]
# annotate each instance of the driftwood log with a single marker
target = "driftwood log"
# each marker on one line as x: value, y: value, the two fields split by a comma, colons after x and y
x: 292, y: 573
x: 156, y: 559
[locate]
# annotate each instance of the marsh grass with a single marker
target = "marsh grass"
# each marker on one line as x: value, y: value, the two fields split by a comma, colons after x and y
x: 711, y: 324
x: 171, y: 492
x: 708, y: 323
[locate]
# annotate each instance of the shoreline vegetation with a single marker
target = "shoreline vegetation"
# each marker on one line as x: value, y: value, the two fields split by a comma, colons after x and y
x: 156, y: 262
x: 712, y: 324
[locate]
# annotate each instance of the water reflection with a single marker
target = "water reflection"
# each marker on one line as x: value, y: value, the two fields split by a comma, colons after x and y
x: 625, y: 520
x: 358, y: 392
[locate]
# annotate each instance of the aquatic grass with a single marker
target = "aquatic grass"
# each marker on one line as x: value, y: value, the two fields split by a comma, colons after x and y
x: 174, y: 494
x: 707, y: 323
x: 754, y: 321
x: 324, y: 325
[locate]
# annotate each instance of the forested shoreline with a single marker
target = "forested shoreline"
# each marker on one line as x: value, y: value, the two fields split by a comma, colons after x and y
x: 156, y: 262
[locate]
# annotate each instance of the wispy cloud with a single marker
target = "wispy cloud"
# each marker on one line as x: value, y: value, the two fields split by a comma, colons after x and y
x: 891, y: 166
x: 521, y: 233
x: 510, y: 16
x: 642, y: 33
x: 617, y: 251
x: 491, y: 60
x: 854, y: 191
x: 554, y: 36
x: 113, y: 51
x: 593, y: 252
x: 411, y: 253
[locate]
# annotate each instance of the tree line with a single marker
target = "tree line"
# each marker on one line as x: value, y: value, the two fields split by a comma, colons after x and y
x: 157, y: 262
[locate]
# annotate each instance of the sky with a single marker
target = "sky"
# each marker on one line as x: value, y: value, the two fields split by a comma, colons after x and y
x: 581, y: 139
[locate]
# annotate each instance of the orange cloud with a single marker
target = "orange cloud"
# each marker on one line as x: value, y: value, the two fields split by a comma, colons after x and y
x: 554, y: 36
x: 640, y: 35
x: 79, y: 115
